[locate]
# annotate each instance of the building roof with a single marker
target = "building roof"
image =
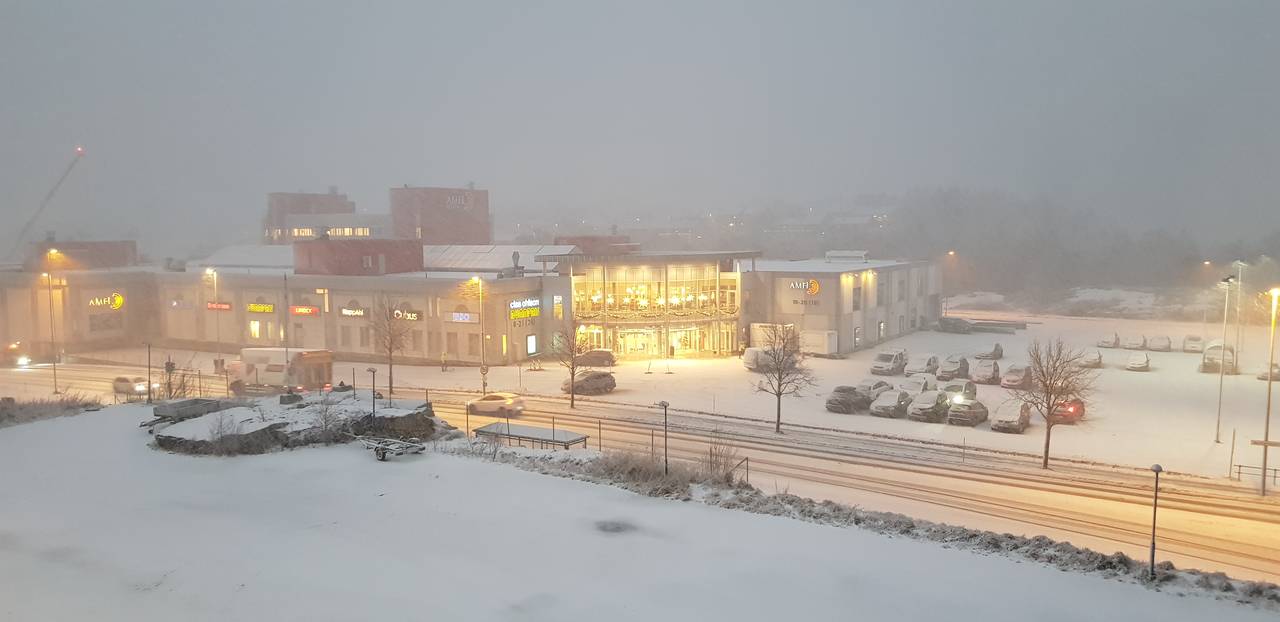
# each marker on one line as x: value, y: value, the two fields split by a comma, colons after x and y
x: 650, y: 256
x: 269, y: 256
x: 834, y: 266
x: 486, y: 257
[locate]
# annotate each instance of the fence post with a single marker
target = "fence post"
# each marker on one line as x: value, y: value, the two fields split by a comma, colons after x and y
x: 651, y: 445
x: 553, y: 431
x: 748, y: 464
x: 600, y: 434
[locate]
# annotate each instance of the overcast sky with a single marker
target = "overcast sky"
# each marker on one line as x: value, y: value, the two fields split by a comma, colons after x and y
x: 192, y: 112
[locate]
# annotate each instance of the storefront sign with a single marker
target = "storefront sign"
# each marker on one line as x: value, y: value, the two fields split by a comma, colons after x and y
x: 261, y: 307
x: 809, y: 286
x: 462, y: 316
x: 217, y: 306
x: 304, y: 310
x: 351, y: 311
x: 407, y: 315
x: 113, y: 301
x: 524, y: 309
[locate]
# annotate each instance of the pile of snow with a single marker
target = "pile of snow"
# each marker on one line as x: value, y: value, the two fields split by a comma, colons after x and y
x: 339, y: 536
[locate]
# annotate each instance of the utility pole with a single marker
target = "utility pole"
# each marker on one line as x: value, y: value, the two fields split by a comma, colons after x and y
x: 53, y: 342
x: 1155, y: 503
x: 1222, y: 354
x: 666, y: 466
x: 1240, y: 266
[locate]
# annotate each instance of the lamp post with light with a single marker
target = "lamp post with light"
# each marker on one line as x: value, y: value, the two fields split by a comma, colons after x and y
x: 217, y: 320
x: 1222, y: 352
x: 1155, y: 502
x: 484, y: 368
x: 53, y: 344
x: 1271, y: 365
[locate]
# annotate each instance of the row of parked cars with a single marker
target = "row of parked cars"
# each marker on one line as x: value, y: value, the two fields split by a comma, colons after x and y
x: 1160, y: 343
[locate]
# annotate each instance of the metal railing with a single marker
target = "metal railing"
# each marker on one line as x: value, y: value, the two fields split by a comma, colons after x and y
x: 1253, y: 471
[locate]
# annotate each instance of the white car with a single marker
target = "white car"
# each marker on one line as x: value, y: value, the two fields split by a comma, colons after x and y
x: 124, y: 386
x: 1160, y: 343
x: 889, y: 362
x: 918, y: 384
x: 871, y: 388
x: 922, y: 364
x: 497, y: 404
x: 1090, y: 360
x: 1134, y: 343
x: 1109, y: 341
x: 1138, y: 362
x: 1192, y: 343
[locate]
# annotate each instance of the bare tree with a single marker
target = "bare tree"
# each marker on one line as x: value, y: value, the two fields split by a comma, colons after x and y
x: 390, y: 333
x: 782, y: 365
x: 1057, y: 376
x: 569, y: 348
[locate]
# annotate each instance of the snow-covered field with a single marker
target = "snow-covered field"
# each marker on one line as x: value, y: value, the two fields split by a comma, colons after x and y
x: 97, y: 526
x: 1166, y: 415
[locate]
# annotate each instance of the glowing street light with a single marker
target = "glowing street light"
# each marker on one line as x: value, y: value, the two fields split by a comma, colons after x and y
x: 53, y: 343
x: 952, y: 253
x: 484, y: 369
x: 1271, y: 363
x: 1222, y: 352
x: 1208, y: 263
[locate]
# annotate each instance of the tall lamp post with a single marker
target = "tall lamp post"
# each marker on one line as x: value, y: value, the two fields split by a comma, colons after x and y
x: 484, y: 368
x: 1222, y: 352
x: 217, y: 320
x: 373, y: 388
x: 1155, y: 502
x: 666, y: 466
x: 1271, y: 365
x: 1240, y: 266
x: 53, y: 343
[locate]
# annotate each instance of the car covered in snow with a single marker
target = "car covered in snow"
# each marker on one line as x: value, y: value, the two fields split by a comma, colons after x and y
x: 1160, y: 343
x: 497, y: 405
x: 954, y: 366
x: 1139, y: 361
x: 993, y: 353
x: 918, y: 383
x: 1134, y: 343
x: 751, y: 358
x: 1090, y: 360
x: 1193, y: 343
x: 922, y: 364
x: 599, y: 357
x: 964, y: 411
x: 891, y: 404
x: 591, y: 382
x: 1017, y: 377
x: 1068, y: 411
x: 961, y: 387
x: 1274, y: 375
x: 955, y: 325
x: 871, y: 388
x: 889, y: 362
x: 1109, y: 341
x: 846, y: 400
x: 930, y: 407
x: 985, y: 372
x: 1012, y: 419
x: 1217, y: 356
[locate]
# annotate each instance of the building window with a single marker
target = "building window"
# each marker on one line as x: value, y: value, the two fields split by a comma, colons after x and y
x: 255, y: 329
x: 303, y: 232
x: 364, y: 336
x: 417, y: 232
x: 881, y: 331
x: 857, y: 299
x: 473, y: 345
x: 531, y: 344
x: 857, y: 337
x: 344, y: 336
x: 902, y: 289
x: 362, y: 232
x: 882, y: 293
x: 366, y: 262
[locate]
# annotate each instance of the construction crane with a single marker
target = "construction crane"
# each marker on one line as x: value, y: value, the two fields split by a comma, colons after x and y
x: 22, y: 233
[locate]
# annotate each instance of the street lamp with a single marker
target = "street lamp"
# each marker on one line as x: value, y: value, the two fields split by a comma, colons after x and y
x: 217, y: 319
x: 484, y: 369
x: 1271, y: 363
x: 1222, y: 352
x: 1155, y: 502
x: 1240, y: 266
x: 373, y: 388
x: 53, y: 343
x: 666, y: 466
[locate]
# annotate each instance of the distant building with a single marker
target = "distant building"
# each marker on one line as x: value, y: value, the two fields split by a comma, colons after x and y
x: 299, y: 227
x: 282, y: 205
x: 442, y: 215
x: 357, y: 257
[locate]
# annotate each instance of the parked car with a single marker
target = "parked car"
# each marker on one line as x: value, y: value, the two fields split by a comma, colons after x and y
x: 985, y: 371
x: 1192, y: 343
x: 891, y: 404
x: 922, y: 364
x: 954, y: 366
x: 1274, y: 375
x: 1012, y: 420
x: 918, y: 383
x: 930, y: 407
x: 964, y: 389
x: 1090, y: 360
x: 1160, y: 343
x: 1068, y: 411
x: 846, y: 400
x: 994, y: 353
x: 124, y: 386
x: 968, y: 412
x: 1138, y: 362
x: 1017, y: 377
x: 591, y: 382
x: 497, y: 404
x: 751, y: 358
x: 1217, y: 357
x: 955, y: 325
x: 871, y: 388
x: 1110, y: 341
x: 889, y: 362
x: 599, y: 357
x: 1134, y: 343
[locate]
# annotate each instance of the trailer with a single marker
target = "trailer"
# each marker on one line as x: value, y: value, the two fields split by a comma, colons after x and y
x: 383, y: 447
x: 170, y: 413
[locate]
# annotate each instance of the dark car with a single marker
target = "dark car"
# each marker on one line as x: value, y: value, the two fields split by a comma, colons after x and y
x: 966, y: 412
x: 597, y: 358
x: 846, y: 400
x: 591, y: 383
x: 1013, y: 422
x: 955, y: 366
x: 930, y: 407
x: 14, y: 355
x: 955, y: 325
x: 1068, y: 411
x: 892, y: 403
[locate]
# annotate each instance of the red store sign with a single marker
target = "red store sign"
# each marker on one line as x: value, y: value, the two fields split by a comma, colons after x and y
x: 304, y: 310
x: 218, y: 306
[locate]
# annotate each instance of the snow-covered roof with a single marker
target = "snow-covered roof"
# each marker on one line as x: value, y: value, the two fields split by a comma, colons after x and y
x: 279, y: 257
x: 484, y: 257
x: 821, y: 265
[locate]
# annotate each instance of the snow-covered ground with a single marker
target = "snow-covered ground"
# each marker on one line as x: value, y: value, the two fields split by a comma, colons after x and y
x: 96, y: 525
x: 1169, y: 303
x: 1164, y: 416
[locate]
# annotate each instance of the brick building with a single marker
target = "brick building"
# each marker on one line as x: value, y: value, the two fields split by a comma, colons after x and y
x: 441, y: 215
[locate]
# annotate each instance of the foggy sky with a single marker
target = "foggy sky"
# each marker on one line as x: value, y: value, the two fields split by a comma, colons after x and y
x: 1153, y: 111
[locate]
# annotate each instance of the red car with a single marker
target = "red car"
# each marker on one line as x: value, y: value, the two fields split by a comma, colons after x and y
x: 1068, y: 411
